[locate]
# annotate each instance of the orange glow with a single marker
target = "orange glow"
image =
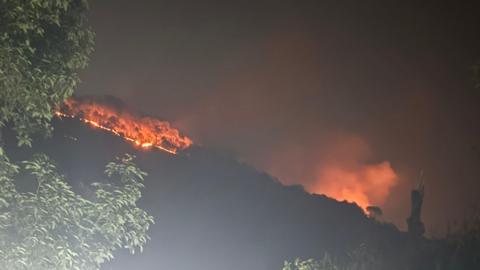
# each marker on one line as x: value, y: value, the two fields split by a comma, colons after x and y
x: 338, y: 165
x: 365, y: 185
x: 346, y: 174
x: 144, y: 132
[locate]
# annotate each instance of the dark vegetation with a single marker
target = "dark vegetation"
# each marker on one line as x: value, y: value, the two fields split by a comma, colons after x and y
x: 212, y: 211
x: 44, y: 223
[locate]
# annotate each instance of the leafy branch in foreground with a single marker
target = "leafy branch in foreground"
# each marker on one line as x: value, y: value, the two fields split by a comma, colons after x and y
x: 326, y: 263
x: 361, y: 258
x: 53, y: 228
x: 43, y: 46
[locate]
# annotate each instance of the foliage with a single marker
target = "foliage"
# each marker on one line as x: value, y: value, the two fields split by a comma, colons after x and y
x: 43, y: 45
x: 326, y: 263
x: 299, y: 264
x: 53, y: 228
x: 366, y: 257
x: 362, y: 258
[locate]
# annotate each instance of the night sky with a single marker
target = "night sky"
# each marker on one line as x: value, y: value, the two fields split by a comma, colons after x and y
x: 302, y: 88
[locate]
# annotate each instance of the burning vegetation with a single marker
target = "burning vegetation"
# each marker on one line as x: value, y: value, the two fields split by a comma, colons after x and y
x: 143, y: 131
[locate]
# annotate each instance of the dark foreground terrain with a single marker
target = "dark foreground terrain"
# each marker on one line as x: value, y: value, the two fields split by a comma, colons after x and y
x: 213, y: 212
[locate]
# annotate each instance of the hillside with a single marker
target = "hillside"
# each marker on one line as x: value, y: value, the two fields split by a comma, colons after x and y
x: 213, y: 212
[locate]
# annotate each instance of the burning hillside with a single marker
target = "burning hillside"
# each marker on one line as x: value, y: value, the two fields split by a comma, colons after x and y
x: 344, y: 175
x: 143, y: 131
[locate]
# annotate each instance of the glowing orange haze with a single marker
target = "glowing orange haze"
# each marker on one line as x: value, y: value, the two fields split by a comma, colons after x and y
x: 145, y: 132
x: 339, y: 167
x: 346, y: 174
x: 365, y: 185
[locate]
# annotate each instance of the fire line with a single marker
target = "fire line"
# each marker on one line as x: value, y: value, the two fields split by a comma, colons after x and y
x: 144, y: 132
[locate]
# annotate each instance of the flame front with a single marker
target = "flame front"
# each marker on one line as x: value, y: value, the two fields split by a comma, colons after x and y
x: 144, y: 132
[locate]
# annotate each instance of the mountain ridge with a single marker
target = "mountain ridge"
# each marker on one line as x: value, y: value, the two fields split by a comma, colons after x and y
x: 214, y: 212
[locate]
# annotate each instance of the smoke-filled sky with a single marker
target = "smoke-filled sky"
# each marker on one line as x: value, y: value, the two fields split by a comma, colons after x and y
x: 349, y: 98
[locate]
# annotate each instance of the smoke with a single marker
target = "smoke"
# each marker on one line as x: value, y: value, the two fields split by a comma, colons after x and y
x: 340, y: 167
x: 364, y: 185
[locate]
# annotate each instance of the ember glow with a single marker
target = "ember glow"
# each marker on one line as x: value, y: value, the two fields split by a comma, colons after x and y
x: 144, y: 132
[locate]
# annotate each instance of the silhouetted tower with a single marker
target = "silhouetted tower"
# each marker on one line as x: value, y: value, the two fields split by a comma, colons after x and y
x: 415, y: 224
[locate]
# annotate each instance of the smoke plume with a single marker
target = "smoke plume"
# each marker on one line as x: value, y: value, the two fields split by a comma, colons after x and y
x: 341, y: 169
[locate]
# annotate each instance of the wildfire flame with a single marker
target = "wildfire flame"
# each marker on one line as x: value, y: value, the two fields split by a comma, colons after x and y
x: 365, y: 185
x: 346, y: 174
x: 144, y: 132
x: 338, y: 165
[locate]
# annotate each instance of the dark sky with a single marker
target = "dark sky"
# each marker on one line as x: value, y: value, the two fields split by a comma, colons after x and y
x: 300, y: 88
